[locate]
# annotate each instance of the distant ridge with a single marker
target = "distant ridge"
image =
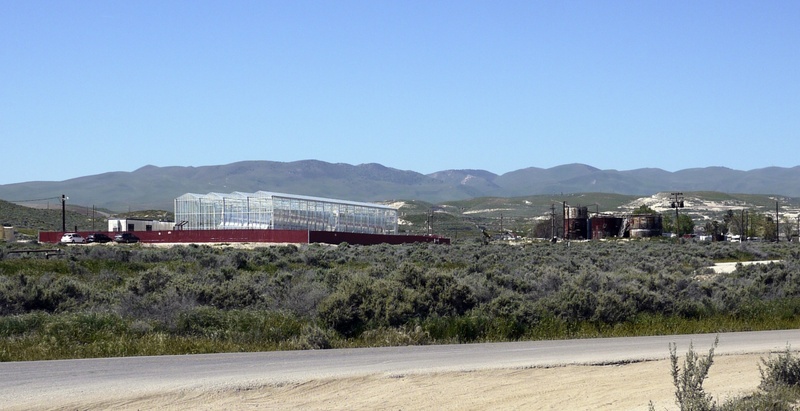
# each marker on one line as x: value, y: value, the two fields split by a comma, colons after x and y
x: 152, y: 187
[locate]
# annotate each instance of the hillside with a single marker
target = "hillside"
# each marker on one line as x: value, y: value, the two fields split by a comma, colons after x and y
x: 152, y: 187
x: 28, y: 221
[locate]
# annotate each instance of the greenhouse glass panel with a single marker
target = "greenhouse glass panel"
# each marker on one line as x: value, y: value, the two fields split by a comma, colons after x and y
x: 266, y: 210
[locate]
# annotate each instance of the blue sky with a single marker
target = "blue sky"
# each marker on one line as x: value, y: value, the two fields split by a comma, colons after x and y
x: 88, y: 87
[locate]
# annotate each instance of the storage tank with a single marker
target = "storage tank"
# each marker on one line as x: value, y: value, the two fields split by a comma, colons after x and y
x: 7, y: 233
x: 576, y: 223
x: 576, y: 229
x: 577, y: 212
x: 645, y: 225
x: 605, y: 227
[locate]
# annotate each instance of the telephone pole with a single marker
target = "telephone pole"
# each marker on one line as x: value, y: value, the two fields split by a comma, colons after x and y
x: 430, y: 222
x: 677, y: 203
x: 63, y: 213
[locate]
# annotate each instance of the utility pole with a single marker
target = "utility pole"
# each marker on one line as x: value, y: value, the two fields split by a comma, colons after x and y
x: 677, y: 203
x: 742, y: 226
x: 745, y: 224
x: 777, y: 224
x: 430, y: 222
x: 63, y: 213
x: 553, y: 221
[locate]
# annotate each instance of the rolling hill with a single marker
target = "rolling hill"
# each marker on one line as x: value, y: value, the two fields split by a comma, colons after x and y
x: 152, y: 187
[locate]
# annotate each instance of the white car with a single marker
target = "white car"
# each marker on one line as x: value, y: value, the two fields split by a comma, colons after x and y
x: 72, y: 238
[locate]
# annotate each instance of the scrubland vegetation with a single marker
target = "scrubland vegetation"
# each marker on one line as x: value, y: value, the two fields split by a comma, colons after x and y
x: 779, y: 389
x: 116, y: 300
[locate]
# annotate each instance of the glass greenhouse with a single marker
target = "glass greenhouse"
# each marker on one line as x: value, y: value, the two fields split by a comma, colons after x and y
x: 266, y: 210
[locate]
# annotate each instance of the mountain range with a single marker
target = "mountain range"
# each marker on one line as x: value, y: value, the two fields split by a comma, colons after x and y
x: 152, y: 187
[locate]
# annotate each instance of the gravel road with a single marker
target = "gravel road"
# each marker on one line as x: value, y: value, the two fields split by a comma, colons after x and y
x: 161, y: 381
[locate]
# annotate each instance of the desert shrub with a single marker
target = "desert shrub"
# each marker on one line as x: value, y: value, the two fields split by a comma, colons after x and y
x: 22, y: 293
x: 20, y: 324
x: 239, y: 326
x: 11, y: 294
x: 779, y: 389
x: 482, y: 290
x: 462, y: 292
x: 689, y: 392
x: 613, y: 308
x: 314, y: 256
x: 391, y: 304
x: 388, y: 337
x: 346, y: 310
x: 83, y: 328
x: 312, y: 337
x: 409, y: 292
x: 572, y: 303
x: 161, y: 306
x: 300, y: 296
x: 461, y: 329
x: 781, y: 370
x: 237, y: 260
x: 119, y: 254
x: 512, y: 316
x: 439, y: 293
x: 231, y: 292
x: 151, y: 281
x: 67, y: 294
x: 548, y: 281
x: 776, y: 399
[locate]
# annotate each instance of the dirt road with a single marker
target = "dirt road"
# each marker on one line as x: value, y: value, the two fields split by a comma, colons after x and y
x: 588, y: 374
x: 616, y: 387
x: 611, y: 387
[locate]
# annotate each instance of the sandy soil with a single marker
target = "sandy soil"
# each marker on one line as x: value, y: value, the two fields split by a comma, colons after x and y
x: 611, y: 387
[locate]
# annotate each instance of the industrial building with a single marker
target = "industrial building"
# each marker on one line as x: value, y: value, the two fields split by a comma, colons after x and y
x: 264, y: 210
x: 138, y: 224
x: 579, y: 226
x: 7, y: 233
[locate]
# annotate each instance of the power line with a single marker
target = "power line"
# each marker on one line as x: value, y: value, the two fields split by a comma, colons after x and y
x: 30, y: 201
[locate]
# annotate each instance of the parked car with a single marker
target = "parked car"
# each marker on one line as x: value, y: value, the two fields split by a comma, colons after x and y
x: 98, y: 238
x: 73, y: 238
x: 126, y: 238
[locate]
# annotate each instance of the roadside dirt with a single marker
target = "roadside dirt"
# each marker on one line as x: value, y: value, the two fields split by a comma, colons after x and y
x: 611, y: 387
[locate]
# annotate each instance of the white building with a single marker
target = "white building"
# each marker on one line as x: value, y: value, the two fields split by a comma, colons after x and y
x: 138, y: 224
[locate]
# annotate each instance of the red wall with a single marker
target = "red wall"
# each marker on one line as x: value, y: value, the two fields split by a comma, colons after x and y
x: 330, y: 237
x: 260, y: 236
x: 201, y: 236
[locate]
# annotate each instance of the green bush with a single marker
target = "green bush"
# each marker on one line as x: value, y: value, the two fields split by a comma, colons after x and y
x: 21, y: 324
x: 346, y: 310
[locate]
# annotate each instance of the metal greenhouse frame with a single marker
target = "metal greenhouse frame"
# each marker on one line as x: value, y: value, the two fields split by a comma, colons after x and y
x: 265, y: 210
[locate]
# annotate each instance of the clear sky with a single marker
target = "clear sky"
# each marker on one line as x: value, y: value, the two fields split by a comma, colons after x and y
x: 88, y: 87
